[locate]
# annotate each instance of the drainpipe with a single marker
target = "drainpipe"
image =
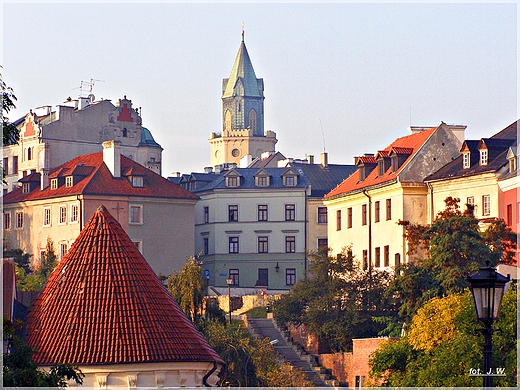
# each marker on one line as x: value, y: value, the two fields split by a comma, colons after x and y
x: 369, y: 235
x: 80, y: 216
x: 204, y: 380
x: 306, y: 243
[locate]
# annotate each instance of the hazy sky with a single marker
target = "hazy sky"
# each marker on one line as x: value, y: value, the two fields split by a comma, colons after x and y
x: 347, y: 78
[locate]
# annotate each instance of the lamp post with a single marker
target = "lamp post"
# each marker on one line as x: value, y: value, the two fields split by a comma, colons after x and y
x: 272, y: 342
x: 229, y: 282
x: 487, y: 287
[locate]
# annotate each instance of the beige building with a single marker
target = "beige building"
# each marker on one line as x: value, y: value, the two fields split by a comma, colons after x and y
x: 388, y: 186
x: 50, y: 137
x: 157, y: 214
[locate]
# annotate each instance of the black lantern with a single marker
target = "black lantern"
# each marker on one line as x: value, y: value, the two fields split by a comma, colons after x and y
x: 488, y: 288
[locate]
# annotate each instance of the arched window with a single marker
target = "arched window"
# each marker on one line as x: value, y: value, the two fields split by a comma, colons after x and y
x: 29, y: 153
x: 228, y: 120
x: 125, y: 132
x: 252, y: 120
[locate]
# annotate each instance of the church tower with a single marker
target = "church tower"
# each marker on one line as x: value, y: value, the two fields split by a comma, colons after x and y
x: 242, y: 115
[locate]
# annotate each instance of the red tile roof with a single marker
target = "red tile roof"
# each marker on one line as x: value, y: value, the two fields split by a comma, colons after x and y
x: 409, y: 144
x: 104, y: 304
x: 99, y: 181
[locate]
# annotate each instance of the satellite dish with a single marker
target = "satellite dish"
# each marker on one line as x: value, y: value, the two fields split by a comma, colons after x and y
x: 91, y: 97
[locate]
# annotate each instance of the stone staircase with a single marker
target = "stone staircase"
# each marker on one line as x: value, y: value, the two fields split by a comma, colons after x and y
x: 293, y: 353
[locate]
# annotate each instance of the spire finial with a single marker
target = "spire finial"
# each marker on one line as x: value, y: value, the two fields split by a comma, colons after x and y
x: 242, y: 31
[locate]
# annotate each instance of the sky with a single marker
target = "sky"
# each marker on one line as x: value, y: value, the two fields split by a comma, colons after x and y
x: 343, y: 78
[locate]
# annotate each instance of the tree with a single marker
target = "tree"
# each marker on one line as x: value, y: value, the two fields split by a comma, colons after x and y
x: 11, y: 134
x: 20, y: 370
x: 187, y: 288
x: 33, y: 279
x: 338, y: 301
x: 456, y: 247
x: 444, y: 344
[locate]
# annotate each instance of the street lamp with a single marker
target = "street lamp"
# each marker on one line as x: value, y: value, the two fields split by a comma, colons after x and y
x: 272, y: 342
x: 487, y: 287
x: 229, y: 282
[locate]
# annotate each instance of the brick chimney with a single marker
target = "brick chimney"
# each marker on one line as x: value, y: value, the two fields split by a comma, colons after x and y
x: 112, y: 157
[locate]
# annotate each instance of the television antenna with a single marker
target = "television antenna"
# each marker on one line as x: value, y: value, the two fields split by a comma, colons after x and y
x: 86, y: 87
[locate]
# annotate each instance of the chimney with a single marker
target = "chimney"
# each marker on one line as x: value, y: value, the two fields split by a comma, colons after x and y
x: 44, y: 178
x: 310, y: 159
x: 208, y: 169
x: 458, y: 131
x: 112, y: 157
x: 324, y: 159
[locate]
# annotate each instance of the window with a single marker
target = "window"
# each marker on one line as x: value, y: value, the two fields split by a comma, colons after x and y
x: 139, y: 246
x: 233, y: 244
x: 136, y: 214
x: 263, y: 277
x: 26, y: 188
x: 125, y: 132
x: 63, y: 214
x: 289, y: 181
x: 380, y: 168
x: 74, y: 213
x: 19, y: 219
x: 483, y: 157
x: 205, y: 249
x: 377, y: 261
x: 338, y: 220
x: 232, y: 181
x: 364, y: 214
x: 397, y: 259
x: 63, y: 250
x: 512, y: 165
x: 365, y: 259
x: 233, y: 275
x: 322, y: 215
x: 262, y: 181
x: 323, y: 243
x: 376, y: 206
x: 470, y: 204
x: 54, y: 184
x: 47, y: 216
x: 386, y: 255
x: 69, y: 182
x: 290, y: 276
x: 233, y: 213
x: 262, y: 212
x: 509, y: 215
x: 388, y: 209
x: 5, y: 165
x: 290, y: 212
x: 349, y: 217
x: 263, y: 244
x: 206, y: 214
x: 486, y: 205
x: 290, y: 244
x: 466, y: 162
x: 29, y: 153
x: 7, y: 221
x: 137, y: 181
x: 15, y: 164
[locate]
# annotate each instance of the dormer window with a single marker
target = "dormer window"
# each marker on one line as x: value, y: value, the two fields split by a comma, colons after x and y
x: 289, y: 181
x: 512, y: 165
x: 26, y: 188
x: 137, y: 181
x: 380, y: 168
x: 483, y: 156
x: 69, y: 182
x: 262, y: 179
x: 232, y: 181
x: 54, y: 184
x: 466, y: 161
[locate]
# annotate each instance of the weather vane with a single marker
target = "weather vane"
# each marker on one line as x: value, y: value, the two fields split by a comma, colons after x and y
x: 242, y: 31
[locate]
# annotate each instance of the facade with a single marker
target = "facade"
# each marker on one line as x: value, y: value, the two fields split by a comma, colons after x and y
x: 250, y: 226
x: 115, y: 319
x: 49, y: 138
x: 484, y: 175
x: 242, y: 132
x: 158, y: 215
x: 388, y: 186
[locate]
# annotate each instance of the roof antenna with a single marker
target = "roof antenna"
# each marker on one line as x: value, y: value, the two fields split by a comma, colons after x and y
x: 242, y: 31
x: 323, y: 136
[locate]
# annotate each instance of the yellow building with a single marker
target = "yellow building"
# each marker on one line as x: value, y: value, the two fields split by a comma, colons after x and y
x: 364, y: 210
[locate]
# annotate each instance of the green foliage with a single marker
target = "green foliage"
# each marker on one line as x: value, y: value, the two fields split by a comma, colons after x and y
x: 11, y: 134
x: 21, y: 259
x: 338, y: 301
x: 21, y: 371
x: 257, y: 312
x: 444, y: 344
x: 246, y: 356
x: 187, y: 287
x: 456, y: 248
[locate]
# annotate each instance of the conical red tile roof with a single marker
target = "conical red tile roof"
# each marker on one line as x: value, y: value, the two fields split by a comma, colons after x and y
x: 104, y: 304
